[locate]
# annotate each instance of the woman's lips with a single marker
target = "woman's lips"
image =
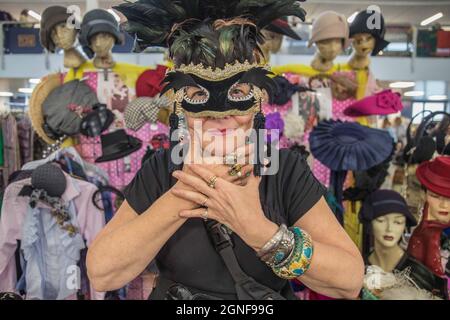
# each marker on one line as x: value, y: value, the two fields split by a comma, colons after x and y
x: 220, y: 132
x: 388, y: 238
x: 443, y: 213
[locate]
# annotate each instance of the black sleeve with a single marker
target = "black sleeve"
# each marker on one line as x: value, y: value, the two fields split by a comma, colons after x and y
x: 150, y: 182
x: 301, y: 190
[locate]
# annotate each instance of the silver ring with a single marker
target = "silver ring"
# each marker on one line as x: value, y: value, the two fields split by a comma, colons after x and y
x: 205, y: 214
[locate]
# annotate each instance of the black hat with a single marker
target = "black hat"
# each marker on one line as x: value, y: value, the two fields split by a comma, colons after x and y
x: 97, y: 21
x: 51, y: 17
x: 383, y: 202
x: 49, y: 178
x: 281, y: 26
x: 361, y: 25
x: 97, y: 121
x: 118, y: 144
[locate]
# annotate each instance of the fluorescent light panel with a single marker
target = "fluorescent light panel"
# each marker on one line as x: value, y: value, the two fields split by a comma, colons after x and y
x: 437, y: 97
x: 34, y: 14
x: 414, y: 94
x: 26, y: 90
x: 431, y: 19
x: 402, y: 84
x: 6, y: 94
x: 34, y: 81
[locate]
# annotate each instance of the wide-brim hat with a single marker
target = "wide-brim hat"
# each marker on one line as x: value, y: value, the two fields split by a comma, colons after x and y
x: 38, y: 96
x: 343, y: 146
x: 382, y: 103
x: 118, y: 144
x: 435, y: 175
x: 360, y: 25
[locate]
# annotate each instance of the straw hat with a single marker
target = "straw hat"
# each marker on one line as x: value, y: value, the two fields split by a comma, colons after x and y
x: 40, y: 93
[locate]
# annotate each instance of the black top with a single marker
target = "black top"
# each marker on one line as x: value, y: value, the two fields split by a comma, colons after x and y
x: 189, y: 257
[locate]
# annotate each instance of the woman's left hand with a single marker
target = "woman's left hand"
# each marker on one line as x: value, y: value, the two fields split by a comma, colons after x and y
x: 237, y: 207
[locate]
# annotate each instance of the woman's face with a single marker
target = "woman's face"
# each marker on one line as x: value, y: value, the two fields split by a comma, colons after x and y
x: 222, y: 132
x: 329, y: 49
x: 438, y: 207
x: 388, y: 229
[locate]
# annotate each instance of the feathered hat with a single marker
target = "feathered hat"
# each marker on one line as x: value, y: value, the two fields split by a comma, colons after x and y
x: 215, y: 46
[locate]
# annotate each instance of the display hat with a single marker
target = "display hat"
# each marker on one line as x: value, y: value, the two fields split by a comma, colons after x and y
x: 38, y: 96
x: 281, y: 26
x: 149, y: 84
x: 343, y: 146
x: 383, y: 202
x: 118, y: 144
x: 362, y: 24
x: 51, y: 17
x: 50, y: 178
x: 97, y: 21
x: 96, y: 121
x: 434, y: 175
x: 65, y: 106
x: 382, y: 103
x: 142, y: 110
x: 329, y: 25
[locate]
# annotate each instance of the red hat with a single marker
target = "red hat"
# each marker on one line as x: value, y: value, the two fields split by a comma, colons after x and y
x: 149, y: 82
x: 382, y: 103
x: 435, y: 175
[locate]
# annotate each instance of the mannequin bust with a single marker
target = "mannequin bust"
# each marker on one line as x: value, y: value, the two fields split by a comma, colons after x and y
x: 102, y: 44
x: 363, y: 45
x: 387, y: 232
x: 64, y: 38
x: 327, y: 51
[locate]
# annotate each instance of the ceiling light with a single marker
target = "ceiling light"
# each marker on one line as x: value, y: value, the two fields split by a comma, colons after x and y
x: 431, y: 19
x: 26, y: 90
x: 414, y: 94
x: 116, y: 16
x: 34, y: 14
x: 352, y: 17
x: 437, y: 97
x: 6, y: 94
x: 402, y: 84
x: 34, y: 81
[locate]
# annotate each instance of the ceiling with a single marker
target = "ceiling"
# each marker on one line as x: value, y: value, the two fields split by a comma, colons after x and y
x: 394, y: 11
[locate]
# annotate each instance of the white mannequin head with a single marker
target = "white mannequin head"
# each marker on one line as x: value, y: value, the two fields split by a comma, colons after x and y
x: 388, y: 229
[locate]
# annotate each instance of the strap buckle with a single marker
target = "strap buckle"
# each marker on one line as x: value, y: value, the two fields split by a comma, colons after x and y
x: 219, y: 235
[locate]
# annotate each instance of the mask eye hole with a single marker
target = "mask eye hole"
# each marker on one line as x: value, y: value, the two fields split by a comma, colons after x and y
x: 240, y: 92
x: 196, y: 95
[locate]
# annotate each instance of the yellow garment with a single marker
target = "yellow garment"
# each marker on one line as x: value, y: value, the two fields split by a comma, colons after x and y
x: 304, y: 69
x: 351, y: 222
x: 129, y: 72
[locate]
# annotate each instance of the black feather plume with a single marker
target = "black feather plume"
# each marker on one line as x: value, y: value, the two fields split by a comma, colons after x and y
x: 259, y: 77
x: 177, y: 80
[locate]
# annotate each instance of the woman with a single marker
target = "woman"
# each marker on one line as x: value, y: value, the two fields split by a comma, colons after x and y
x: 167, y: 214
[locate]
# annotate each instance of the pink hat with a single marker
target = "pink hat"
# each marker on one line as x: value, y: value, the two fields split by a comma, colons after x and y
x: 330, y: 25
x: 382, y: 103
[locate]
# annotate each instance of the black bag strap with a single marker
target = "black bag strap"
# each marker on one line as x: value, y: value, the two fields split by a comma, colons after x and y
x: 246, y: 287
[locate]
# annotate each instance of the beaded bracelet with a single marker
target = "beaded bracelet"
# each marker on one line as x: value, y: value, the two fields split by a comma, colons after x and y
x: 300, y: 259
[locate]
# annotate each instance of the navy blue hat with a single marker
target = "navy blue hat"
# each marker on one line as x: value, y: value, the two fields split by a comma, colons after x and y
x: 383, y: 202
x: 343, y: 146
x: 360, y: 25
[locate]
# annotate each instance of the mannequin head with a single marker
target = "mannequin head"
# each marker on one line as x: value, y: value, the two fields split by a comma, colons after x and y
x: 438, y: 207
x: 363, y: 44
x: 329, y: 49
x: 63, y: 37
x: 102, y: 44
x: 388, y: 229
x: 272, y: 43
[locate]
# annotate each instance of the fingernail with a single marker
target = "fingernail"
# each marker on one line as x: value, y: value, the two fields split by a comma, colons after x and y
x: 176, y: 174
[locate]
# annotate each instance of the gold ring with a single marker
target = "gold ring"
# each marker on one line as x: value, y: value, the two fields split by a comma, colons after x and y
x: 205, y: 214
x: 235, y: 170
x: 212, y: 182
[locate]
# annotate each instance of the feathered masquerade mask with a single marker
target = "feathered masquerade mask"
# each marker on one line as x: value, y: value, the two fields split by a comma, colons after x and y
x: 215, y: 46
